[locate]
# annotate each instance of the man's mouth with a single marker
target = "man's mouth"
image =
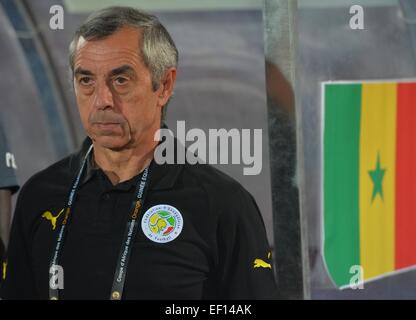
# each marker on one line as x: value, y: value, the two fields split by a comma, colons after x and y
x: 107, y: 125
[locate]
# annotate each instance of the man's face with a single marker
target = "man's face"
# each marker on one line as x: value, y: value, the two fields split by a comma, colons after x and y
x: 114, y: 93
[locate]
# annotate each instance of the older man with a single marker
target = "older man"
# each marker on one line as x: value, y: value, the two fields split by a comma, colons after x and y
x: 109, y: 222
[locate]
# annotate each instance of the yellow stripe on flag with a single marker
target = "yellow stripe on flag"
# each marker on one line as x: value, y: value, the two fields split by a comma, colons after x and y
x: 377, y: 178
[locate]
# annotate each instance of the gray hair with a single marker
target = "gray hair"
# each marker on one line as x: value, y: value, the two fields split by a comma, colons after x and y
x: 157, y: 48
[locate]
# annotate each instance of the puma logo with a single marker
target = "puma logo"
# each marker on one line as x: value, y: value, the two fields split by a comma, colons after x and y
x: 4, y: 270
x: 259, y: 263
x: 48, y: 216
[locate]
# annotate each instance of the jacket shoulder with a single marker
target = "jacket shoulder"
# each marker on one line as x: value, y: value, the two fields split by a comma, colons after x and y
x: 55, y: 178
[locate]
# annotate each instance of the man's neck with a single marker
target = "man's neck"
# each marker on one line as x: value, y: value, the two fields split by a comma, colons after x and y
x: 122, y: 165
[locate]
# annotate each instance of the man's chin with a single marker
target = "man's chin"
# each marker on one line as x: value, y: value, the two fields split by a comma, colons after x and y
x: 115, y: 143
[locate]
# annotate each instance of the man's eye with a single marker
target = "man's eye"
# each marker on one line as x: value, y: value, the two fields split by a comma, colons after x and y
x: 86, y: 81
x: 121, y: 81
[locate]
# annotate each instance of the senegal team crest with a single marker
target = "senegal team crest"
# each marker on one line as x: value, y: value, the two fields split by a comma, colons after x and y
x: 162, y: 223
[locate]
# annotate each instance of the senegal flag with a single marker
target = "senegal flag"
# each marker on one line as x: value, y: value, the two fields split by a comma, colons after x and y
x: 369, y: 183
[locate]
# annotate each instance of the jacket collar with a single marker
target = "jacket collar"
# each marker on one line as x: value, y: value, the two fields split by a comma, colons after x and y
x: 162, y: 176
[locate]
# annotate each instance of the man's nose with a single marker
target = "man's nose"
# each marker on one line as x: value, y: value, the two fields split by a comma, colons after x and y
x: 103, y: 97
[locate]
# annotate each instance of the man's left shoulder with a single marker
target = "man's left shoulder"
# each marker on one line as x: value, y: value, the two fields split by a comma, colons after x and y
x: 217, y: 184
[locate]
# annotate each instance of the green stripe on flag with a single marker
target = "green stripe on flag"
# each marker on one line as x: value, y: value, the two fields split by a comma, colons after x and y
x: 341, y: 179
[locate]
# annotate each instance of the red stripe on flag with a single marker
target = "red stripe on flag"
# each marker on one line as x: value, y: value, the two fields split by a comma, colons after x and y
x: 406, y: 176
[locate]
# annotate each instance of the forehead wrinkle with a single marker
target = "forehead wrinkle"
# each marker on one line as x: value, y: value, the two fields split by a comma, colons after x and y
x: 107, y: 55
x: 112, y: 43
x: 103, y: 50
x: 106, y: 61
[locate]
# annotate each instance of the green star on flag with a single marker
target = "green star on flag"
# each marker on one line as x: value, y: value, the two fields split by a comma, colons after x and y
x: 377, y: 176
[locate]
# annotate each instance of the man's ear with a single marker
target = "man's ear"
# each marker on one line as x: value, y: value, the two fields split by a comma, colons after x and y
x: 166, y: 86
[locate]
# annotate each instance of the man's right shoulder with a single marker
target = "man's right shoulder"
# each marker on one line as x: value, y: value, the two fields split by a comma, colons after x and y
x: 51, y: 181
